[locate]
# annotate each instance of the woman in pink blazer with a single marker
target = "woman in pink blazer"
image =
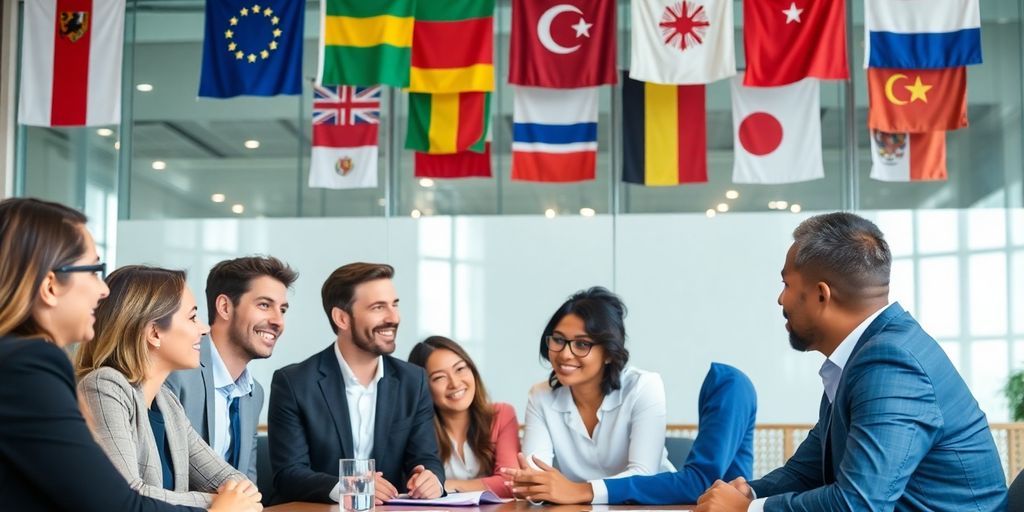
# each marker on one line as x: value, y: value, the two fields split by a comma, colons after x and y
x: 475, y: 437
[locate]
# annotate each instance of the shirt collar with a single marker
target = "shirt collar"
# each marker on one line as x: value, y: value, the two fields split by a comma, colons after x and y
x: 832, y: 369
x: 222, y: 378
x: 350, y: 377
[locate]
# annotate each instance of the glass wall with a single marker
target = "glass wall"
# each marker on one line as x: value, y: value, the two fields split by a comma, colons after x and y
x: 181, y: 156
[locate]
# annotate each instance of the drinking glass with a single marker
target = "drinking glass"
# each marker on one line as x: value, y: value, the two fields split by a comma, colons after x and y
x: 356, y: 481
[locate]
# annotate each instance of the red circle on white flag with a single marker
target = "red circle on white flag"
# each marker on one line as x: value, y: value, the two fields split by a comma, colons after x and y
x: 760, y: 133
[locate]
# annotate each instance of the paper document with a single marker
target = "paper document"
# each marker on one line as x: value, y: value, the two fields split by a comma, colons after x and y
x: 454, y: 499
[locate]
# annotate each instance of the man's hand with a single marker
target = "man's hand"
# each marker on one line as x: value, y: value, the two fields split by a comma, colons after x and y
x: 423, y: 484
x: 383, y: 490
x: 546, y: 484
x: 741, y: 485
x: 723, y: 497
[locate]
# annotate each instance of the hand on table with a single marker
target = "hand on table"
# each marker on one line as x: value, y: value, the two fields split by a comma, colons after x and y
x: 383, y: 490
x: 423, y: 484
x: 237, y: 496
x: 545, y: 484
x: 734, y: 496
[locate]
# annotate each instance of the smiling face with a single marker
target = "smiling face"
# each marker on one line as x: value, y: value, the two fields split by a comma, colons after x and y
x: 257, y: 321
x: 571, y: 369
x: 373, y: 321
x: 79, y: 295
x: 452, y: 383
x: 179, y: 344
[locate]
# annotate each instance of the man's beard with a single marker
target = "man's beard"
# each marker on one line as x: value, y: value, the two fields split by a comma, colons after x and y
x: 238, y: 337
x: 798, y: 342
x: 367, y: 344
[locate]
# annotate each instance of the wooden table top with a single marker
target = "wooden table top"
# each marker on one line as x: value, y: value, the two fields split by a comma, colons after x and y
x: 515, y: 506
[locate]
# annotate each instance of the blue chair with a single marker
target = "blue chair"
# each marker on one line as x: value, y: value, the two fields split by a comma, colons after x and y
x: 264, y: 475
x: 678, y: 449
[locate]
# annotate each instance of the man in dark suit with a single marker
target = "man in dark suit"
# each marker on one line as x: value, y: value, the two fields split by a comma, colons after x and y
x: 897, y: 426
x: 354, y: 401
x: 246, y: 301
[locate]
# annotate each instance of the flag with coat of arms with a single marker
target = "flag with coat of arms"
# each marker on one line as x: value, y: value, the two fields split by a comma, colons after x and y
x: 346, y: 120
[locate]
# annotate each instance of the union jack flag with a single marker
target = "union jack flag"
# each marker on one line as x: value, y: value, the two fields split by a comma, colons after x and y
x: 346, y: 105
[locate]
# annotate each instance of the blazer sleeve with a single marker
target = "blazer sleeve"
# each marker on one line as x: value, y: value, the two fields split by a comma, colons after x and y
x: 112, y: 403
x: 257, y: 403
x: 505, y: 435
x: 647, y: 427
x: 43, y: 436
x: 536, y: 437
x: 294, y: 479
x: 207, y: 471
x: 728, y: 409
x: 894, y: 420
x: 421, y: 448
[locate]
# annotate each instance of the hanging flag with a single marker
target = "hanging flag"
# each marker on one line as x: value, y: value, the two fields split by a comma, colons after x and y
x: 365, y: 42
x: 789, y: 40
x: 71, y: 63
x: 682, y: 41
x: 917, y: 100
x: 908, y: 156
x: 453, y: 46
x: 443, y: 124
x: 562, y: 43
x: 922, y: 34
x: 776, y: 132
x: 664, y: 135
x: 466, y: 164
x: 554, y: 134
x: 252, y: 48
x: 345, y: 125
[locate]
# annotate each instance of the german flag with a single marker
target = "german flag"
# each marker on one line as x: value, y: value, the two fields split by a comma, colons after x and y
x: 443, y: 124
x: 664, y: 134
x: 453, y: 46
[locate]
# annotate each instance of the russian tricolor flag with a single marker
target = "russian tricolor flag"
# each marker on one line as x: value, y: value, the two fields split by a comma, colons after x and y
x: 922, y: 34
x: 554, y: 134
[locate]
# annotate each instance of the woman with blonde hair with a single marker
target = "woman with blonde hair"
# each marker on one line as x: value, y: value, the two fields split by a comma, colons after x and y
x: 50, y: 285
x: 145, y: 329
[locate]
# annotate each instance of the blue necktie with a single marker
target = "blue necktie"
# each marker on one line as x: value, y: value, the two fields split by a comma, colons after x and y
x: 236, y: 433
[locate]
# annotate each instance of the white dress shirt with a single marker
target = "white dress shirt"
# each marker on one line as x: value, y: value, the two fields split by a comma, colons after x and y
x: 831, y: 372
x: 629, y: 438
x: 466, y: 467
x: 362, y: 410
x: 226, y: 391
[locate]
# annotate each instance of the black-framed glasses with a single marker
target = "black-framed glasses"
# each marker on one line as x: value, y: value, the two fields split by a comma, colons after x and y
x: 99, y: 267
x: 579, y: 348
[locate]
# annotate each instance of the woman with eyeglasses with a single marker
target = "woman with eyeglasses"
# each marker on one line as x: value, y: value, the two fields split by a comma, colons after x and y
x: 145, y: 329
x: 49, y: 289
x: 475, y: 436
x: 595, y: 416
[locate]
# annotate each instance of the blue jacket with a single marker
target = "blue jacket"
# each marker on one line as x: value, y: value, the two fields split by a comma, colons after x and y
x: 724, y: 447
x: 906, y: 434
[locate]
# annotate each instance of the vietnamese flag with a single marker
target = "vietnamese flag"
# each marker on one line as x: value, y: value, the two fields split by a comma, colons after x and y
x: 789, y: 40
x: 563, y: 44
x: 908, y: 156
x: 917, y: 100
x: 453, y: 46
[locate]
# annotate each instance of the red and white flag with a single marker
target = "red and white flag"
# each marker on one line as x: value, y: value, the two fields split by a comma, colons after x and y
x: 776, y: 132
x: 682, y: 41
x: 789, y: 40
x: 346, y: 120
x: 71, y: 63
x: 908, y: 156
x: 563, y: 43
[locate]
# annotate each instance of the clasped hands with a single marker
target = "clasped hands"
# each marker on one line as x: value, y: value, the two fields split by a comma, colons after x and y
x: 734, y: 496
x: 423, y: 484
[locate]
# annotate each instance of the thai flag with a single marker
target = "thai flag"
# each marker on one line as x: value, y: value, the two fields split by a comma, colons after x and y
x: 554, y: 134
x: 922, y: 34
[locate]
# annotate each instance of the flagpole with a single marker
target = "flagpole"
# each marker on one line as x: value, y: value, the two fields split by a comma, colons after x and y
x: 124, y: 132
x: 851, y: 196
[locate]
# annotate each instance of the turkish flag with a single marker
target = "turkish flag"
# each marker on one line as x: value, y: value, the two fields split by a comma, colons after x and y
x: 563, y: 43
x: 789, y: 40
x: 917, y: 100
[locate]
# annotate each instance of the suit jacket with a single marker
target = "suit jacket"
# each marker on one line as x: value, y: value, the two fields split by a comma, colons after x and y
x: 195, y: 390
x: 724, y: 448
x: 119, y: 412
x: 48, y: 458
x: 310, y: 428
x: 904, y: 433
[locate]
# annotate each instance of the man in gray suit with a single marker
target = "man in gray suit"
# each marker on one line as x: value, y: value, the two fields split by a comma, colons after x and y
x: 246, y: 299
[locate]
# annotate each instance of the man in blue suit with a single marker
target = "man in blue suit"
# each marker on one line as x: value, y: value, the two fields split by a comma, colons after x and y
x: 897, y: 427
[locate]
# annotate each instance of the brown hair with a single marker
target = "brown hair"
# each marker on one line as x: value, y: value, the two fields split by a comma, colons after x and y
x: 481, y: 412
x: 35, y: 237
x: 234, y: 278
x: 340, y: 286
x: 139, y: 295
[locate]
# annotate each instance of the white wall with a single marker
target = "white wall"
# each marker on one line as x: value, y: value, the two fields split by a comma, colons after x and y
x: 698, y: 290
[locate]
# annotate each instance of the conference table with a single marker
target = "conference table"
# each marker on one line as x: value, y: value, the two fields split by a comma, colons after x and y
x: 515, y: 506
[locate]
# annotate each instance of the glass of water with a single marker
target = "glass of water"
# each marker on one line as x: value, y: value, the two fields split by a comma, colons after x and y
x: 356, y: 480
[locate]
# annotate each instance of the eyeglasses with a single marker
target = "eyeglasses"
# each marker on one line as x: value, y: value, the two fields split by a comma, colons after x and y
x: 99, y: 267
x: 579, y: 348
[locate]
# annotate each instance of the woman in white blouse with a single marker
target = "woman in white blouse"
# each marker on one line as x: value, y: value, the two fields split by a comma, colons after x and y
x: 594, y: 417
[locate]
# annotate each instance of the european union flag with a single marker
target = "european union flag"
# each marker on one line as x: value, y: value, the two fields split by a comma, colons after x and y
x: 252, y: 47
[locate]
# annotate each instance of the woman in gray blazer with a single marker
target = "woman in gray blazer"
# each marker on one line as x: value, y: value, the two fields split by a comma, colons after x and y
x: 145, y: 329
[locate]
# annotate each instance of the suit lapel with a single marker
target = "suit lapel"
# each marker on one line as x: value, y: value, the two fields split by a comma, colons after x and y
x: 387, y: 396
x: 209, y: 395
x: 332, y: 385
